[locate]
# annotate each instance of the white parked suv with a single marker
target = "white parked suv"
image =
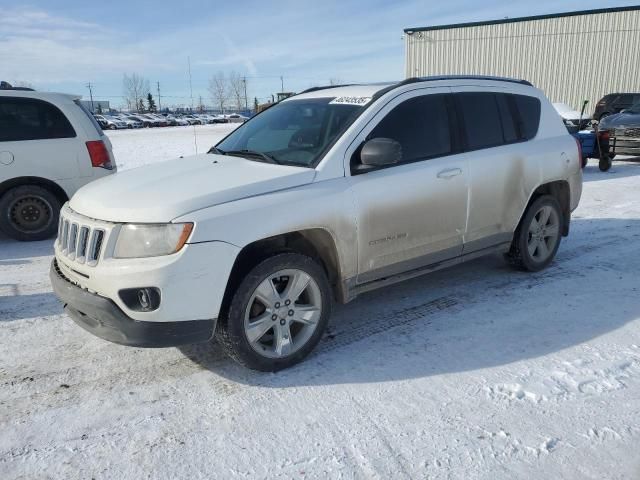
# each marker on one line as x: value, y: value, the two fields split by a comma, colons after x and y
x: 328, y: 194
x: 49, y: 147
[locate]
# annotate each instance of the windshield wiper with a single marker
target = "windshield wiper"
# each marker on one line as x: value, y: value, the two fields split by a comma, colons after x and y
x: 265, y: 157
x: 217, y: 150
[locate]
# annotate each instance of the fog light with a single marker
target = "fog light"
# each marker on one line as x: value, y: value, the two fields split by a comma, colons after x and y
x: 143, y: 299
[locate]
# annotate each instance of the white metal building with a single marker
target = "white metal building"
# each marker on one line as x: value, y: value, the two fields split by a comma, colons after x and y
x: 572, y: 56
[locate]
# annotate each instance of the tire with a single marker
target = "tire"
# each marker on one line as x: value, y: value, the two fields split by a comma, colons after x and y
x: 585, y: 161
x: 29, y: 213
x: 532, y: 249
x: 605, y: 164
x: 112, y: 127
x: 272, y: 322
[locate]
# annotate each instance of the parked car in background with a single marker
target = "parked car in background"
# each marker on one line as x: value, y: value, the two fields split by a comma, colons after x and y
x: 192, y: 119
x: 50, y: 146
x: 115, y: 123
x: 614, y: 103
x: 328, y: 194
x: 624, y: 131
x: 146, y: 122
x: 573, y: 119
x: 101, y: 121
x: 130, y: 122
x: 236, y: 118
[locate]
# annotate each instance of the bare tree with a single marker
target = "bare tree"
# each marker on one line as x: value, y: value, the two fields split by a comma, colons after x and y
x: 135, y: 88
x: 237, y: 89
x: 219, y: 90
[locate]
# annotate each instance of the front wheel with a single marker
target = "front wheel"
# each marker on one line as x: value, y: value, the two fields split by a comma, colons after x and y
x: 29, y: 212
x: 278, y: 313
x: 537, y: 238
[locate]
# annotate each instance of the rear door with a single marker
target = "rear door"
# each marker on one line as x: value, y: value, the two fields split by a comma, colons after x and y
x: 36, y: 139
x: 497, y: 154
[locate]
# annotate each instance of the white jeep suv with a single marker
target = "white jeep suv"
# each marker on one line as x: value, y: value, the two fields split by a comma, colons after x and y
x: 49, y: 147
x: 327, y: 194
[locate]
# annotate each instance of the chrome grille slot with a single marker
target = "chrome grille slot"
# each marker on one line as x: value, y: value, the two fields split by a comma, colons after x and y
x: 65, y: 236
x: 95, y: 245
x: 73, y: 240
x: 83, y: 240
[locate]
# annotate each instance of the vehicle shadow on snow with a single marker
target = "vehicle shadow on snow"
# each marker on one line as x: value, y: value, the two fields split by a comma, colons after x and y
x: 13, y: 252
x: 623, y: 168
x: 478, y: 315
x: 14, y: 306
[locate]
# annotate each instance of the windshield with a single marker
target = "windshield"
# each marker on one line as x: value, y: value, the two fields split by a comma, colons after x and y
x: 295, y: 132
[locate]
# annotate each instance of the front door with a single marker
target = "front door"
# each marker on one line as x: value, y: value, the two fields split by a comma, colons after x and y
x: 413, y: 213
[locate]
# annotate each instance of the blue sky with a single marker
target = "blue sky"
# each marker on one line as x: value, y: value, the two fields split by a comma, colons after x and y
x: 62, y: 45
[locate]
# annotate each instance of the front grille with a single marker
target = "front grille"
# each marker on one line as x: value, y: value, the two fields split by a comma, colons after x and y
x: 81, y: 239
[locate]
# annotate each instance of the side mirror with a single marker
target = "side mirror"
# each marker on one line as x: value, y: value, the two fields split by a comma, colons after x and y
x: 379, y: 152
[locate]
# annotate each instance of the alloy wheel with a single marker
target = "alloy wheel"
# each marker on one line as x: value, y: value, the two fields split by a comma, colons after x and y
x: 283, y: 313
x: 544, y: 231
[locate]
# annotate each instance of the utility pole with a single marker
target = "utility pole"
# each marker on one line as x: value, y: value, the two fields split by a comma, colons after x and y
x: 91, y: 96
x: 281, y: 83
x: 244, y: 81
x: 159, y: 104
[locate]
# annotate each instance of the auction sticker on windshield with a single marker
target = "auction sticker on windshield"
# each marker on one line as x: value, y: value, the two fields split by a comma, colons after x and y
x: 350, y: 101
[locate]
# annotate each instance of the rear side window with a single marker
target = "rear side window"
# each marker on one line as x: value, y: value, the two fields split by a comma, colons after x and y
x: 507, y: 119
x: 91, y: 118
x: 481, y: 120
x: 528, y: 111
x: 32, y: 119
x: 420, y: 125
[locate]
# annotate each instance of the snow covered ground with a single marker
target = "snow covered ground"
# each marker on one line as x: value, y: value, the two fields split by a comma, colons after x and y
x: 474, y: 372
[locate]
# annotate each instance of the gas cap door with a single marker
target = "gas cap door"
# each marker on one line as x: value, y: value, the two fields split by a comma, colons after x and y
x: 6, y: 158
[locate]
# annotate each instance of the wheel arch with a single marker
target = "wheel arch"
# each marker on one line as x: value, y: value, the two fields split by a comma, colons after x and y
x: 561, y: 191
x: 50, y: 185
x: 317, y: 243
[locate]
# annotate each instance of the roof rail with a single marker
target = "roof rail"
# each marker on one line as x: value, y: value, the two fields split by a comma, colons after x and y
x: 435, y: 78
x: 7, y: 86
x: 324, y: 87
x: 467, y: 77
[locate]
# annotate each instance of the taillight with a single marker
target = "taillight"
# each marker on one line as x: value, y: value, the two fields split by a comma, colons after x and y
x: 579, y: 151
x: 99, y: 154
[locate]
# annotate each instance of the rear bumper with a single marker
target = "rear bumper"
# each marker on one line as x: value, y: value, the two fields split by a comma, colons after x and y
x: 103, y: 318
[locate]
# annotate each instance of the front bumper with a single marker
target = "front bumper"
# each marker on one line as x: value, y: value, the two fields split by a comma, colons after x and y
x: 103, y: 318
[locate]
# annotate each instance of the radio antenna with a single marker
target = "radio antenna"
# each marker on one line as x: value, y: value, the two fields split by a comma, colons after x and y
x: 195, y: 138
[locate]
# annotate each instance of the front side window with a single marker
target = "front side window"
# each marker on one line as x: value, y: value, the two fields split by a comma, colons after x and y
x: 31, y: 119
x: 420, y: 125
x: 294, y: 132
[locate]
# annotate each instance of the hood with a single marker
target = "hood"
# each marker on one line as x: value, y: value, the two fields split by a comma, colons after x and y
x: 617, y: 120
x: 163, y: 191
x: 566, y: 112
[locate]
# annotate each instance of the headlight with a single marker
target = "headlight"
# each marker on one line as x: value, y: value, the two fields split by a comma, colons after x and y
x: 151, y: 240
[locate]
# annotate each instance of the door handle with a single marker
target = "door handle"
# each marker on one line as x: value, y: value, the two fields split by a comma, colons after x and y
x: 449, y: 173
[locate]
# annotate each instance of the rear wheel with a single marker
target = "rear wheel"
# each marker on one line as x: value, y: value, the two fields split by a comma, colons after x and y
x: 605, y: 163
x: 585, y: 161
x: 29, y: 212
x: 537, y: 238
x: 278, y: 313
